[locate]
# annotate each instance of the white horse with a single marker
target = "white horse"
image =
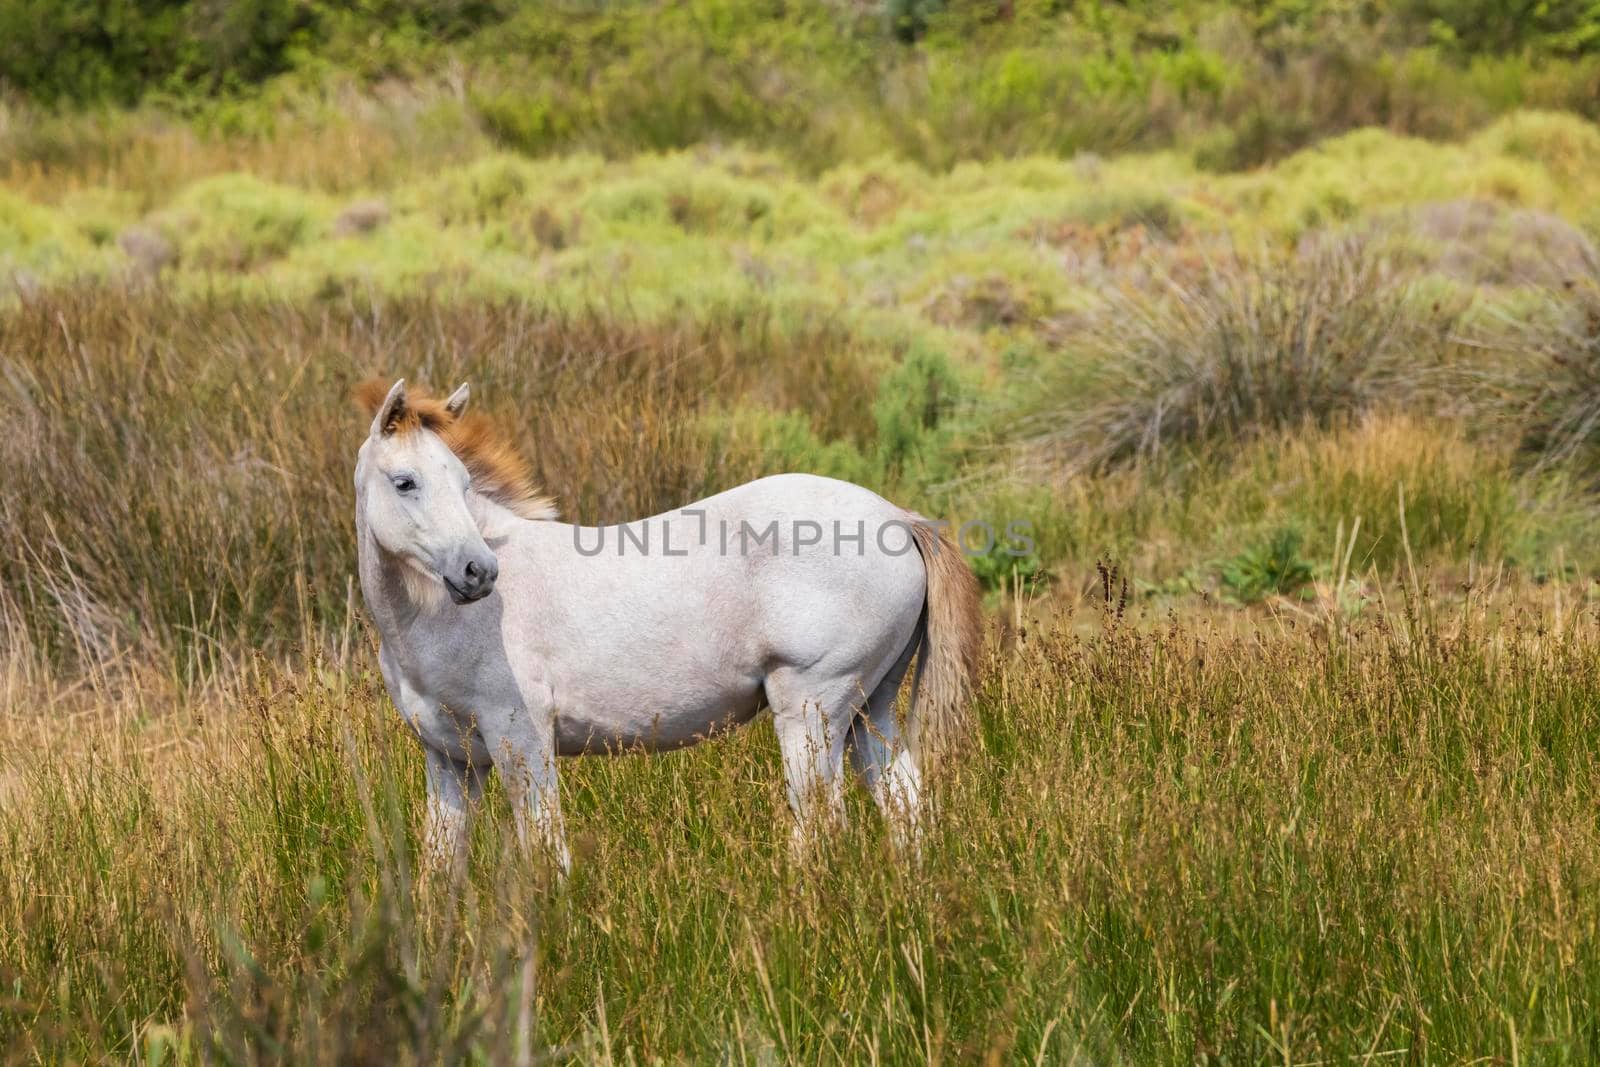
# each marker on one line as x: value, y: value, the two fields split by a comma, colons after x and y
x: 509, y: 638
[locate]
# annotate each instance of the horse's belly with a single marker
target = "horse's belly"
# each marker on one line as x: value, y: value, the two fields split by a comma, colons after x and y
x: 632, y: 722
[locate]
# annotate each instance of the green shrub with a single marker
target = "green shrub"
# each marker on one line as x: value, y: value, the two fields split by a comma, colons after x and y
x: 1473, y: 26
x: 1004, y: 564
x: 531, y: 120
x: 908, y: 19
x: 120, y: 50
x: 236, y: 222
x: 912, y: 415
x: 1272, y: 567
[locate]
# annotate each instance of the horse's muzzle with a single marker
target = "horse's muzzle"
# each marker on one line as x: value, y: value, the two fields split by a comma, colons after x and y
x: 475, y: 581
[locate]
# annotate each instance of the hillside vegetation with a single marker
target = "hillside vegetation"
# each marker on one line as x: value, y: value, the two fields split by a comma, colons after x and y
x: 1274, y: 325
x: 935, y: 81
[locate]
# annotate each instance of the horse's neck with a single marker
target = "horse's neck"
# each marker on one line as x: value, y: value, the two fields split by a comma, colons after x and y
x: 381, y: 585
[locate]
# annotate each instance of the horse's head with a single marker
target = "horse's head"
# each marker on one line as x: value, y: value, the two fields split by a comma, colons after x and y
x: 411, y: 492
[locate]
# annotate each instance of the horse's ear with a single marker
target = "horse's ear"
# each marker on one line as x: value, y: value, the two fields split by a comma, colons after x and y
x: 458, y: 401
x: 386, y: 415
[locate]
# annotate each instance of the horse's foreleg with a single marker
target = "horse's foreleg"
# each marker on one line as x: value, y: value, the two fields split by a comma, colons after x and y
x: 452, y: 788
x: 522, y: 744
x: 452, y: 785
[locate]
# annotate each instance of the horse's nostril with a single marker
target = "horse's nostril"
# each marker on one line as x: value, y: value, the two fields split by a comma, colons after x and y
x: 474, y: 572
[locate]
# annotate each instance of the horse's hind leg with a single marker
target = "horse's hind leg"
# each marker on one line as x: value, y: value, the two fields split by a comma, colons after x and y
x: 879, y: 751
x: 812, y: 719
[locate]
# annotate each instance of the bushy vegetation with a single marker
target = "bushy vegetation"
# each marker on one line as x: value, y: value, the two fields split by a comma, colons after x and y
x: 1273, y: 567
x: 1140, y: 359
x: 117, y: 51
x: 827, y: 82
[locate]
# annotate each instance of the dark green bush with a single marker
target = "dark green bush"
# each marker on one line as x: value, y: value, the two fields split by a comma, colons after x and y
x: 1564, y: 27
x: 119, y: 51
x: 912, y: 413
x: 89, y: 51
x: 908, y: 19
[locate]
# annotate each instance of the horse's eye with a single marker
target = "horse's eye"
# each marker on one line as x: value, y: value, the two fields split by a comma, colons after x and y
x: 405, y: 485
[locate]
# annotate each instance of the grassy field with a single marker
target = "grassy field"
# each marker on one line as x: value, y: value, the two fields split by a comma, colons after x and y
x: 1283, y: 746
x: 1205, y: 840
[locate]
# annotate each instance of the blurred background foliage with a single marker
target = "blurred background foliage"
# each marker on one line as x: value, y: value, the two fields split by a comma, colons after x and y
x: 934, y: 80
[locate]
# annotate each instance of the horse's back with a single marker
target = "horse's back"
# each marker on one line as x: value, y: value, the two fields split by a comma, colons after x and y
x: 782, y: 569
x: 691, y: 610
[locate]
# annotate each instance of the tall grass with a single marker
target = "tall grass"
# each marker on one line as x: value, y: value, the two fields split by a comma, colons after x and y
x: 181, y: 466
x: 1167, y: 846
x: 180, y: 485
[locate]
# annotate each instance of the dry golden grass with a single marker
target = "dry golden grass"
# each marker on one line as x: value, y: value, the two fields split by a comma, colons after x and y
x: 340, y: 140
x: 1176, y: 840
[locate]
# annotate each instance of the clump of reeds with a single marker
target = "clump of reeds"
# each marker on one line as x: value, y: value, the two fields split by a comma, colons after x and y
x: 1556, y: 358
x: 1246, y: 347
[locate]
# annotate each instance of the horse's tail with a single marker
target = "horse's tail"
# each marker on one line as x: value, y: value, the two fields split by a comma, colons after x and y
x: 947, y: 662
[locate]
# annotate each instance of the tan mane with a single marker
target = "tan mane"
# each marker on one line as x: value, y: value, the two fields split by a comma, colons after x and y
x: 499, y: 473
